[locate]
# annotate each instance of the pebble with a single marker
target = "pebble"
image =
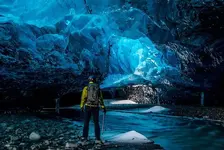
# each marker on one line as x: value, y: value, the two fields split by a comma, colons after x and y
x: 33, y: 147
x: 9, y: 128
x: 205, y: 117
x: 34, y: 136
x: 46, y: 142
x: 7, y: 145
x: 22, y: 144
x: 70, y: 145
x: 18, y: 131
x: 26, y: 121
x: 14, y: 138
x: 3, y: 124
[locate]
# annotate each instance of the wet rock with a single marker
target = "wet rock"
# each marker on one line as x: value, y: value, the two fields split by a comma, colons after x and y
x: 33, y: 147
x: 3, y: 125
x: 14, y: 138
x: 207, y: 113
x: 7, y: 145
x: 55, y: 141
x: 26, y: 121
x: 72, y: 136
x: 205, y: 117
x: 70, y: 145
x: 46, y: 142
x: 9, y: 128
x: 19, y: 131
x: 34, y: 136
x: 146, y: 94
x: 61, y: 138
x: 21, y: 144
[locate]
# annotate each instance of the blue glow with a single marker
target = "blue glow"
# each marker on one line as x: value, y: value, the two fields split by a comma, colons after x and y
x: 76, y: 39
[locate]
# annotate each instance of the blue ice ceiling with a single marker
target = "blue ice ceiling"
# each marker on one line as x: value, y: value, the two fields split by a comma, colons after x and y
x: 48, y: 38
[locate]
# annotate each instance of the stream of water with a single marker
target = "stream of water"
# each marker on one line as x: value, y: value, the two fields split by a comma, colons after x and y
x: 172, y: 133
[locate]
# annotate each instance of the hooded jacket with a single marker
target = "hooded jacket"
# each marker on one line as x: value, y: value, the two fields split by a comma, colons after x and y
x: 84, y: 98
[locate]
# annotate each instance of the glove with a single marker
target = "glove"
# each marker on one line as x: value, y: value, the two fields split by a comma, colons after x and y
x: 82, y: 109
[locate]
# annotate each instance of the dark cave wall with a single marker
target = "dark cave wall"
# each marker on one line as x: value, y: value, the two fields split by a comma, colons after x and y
x: 194, y: 31
x: 145, y: 94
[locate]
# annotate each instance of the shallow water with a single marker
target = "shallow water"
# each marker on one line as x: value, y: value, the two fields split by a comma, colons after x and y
x: 172, y: 133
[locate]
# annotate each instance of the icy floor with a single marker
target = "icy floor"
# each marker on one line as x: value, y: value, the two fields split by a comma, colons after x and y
x: 171, y: 133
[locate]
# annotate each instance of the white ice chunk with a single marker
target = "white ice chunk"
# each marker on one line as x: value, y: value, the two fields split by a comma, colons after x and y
x: 131, y: 137
x: 123, y: 102
x: 156, y: 109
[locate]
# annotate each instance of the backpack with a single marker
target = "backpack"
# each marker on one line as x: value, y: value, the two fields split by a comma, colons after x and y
x: 93, y: 92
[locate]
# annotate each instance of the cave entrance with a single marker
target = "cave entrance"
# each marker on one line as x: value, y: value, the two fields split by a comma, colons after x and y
x: 70, y: 99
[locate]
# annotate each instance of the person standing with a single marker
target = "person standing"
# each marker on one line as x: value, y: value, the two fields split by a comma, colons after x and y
x: 91, y: 99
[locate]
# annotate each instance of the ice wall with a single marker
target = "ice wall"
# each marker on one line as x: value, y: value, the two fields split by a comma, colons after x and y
x: 99, y: 37
x: 60, y: 43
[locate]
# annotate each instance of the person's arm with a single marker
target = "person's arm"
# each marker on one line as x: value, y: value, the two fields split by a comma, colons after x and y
x: 84, y: 97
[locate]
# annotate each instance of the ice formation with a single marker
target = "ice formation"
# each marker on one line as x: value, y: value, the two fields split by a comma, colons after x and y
x: 131, y: 137
x: 155, y: 109
x: 57, y: 35
x: 45, y: 43
x: 123, y: 102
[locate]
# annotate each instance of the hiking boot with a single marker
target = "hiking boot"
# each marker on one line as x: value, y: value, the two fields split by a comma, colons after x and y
x: 98, y: 142
x: 83, y: 139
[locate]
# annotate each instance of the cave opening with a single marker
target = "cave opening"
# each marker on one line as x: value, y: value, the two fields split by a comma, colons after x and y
x: 158, y: 63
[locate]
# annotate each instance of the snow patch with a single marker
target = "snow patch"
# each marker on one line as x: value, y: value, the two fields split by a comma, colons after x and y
x: 131, y: 137
x: 123, y: 102
x: 156, y: 109
x: 138, y: 85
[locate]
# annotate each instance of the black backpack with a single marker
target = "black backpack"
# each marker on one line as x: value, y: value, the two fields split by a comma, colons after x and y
x: 93, y: 93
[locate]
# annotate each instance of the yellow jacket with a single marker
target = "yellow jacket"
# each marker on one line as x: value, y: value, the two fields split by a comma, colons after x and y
x: 84, y: 98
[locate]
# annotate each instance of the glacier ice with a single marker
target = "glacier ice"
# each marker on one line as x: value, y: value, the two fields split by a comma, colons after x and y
x: 56, y: 34
x: 49, y: 42
x: 120, y: 102
x: 156, y: 109
x: 131, y: 137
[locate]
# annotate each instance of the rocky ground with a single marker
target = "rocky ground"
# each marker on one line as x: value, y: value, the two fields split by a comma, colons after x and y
x: 209, y: 113
x: 35, y: 132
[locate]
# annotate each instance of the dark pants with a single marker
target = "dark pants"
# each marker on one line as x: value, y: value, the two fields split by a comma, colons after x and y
x: 88, y: 112
x: 57, y: 105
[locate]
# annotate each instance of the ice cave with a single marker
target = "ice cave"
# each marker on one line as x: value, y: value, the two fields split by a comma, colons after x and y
x: 112, y: 74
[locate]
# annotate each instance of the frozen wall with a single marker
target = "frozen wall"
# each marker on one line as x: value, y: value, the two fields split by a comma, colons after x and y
x: 109, y: 39
x: 57, y: 42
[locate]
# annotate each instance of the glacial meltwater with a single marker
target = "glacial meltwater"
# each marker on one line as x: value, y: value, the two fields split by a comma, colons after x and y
x: 172, y: 133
